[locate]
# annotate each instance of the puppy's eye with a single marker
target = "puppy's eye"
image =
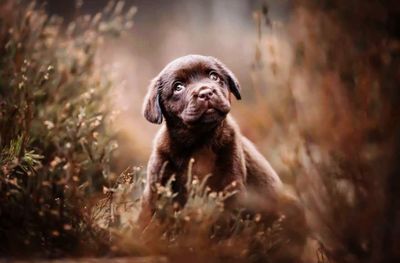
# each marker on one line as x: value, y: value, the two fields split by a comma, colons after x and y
x: 178, y: 87
x: 214, y: 76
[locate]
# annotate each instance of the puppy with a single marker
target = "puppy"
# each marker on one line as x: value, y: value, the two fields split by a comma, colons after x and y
x: 193, y: 94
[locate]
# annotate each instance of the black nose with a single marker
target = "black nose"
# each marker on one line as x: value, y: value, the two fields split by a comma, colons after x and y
x: 206, y: 93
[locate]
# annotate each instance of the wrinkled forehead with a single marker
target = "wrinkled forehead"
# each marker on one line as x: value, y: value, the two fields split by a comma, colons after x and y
x: 189, y: 67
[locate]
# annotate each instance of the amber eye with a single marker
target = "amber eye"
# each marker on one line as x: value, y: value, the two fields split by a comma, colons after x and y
x: 214, y: 76
x: 178, y: 87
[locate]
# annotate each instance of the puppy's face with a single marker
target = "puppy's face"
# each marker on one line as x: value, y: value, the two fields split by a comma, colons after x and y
x: 194, y: 90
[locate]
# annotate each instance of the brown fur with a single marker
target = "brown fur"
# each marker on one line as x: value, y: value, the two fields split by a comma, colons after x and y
x: 211, y: 138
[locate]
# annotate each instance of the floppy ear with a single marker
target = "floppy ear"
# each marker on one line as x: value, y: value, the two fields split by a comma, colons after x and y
x: 151, y: 106
x: 233, y: 83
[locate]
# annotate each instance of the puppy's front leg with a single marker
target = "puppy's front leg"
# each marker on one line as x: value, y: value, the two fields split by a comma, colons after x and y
x: 230, y: 173
x: 149, y: 196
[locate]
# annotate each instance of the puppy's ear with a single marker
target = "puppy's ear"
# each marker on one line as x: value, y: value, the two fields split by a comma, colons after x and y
x: 233, y: 83
x: 151, y: 106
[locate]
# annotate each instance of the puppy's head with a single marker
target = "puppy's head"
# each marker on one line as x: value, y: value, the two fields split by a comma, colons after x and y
x: 193, y: 90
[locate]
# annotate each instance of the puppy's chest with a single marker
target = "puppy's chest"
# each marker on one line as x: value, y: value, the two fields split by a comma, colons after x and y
x: 204, y: 162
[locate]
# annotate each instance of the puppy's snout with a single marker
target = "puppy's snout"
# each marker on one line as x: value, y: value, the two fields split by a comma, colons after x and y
x: 205, y: 93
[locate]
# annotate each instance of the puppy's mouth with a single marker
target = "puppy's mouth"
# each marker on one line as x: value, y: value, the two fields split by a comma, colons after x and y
x: 210, y: 110
x: 206, y: 114
x: 213, y: 110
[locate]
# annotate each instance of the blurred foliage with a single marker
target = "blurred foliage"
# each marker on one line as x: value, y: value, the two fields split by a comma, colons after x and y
x: 55, y: 135
x: 332, y: 101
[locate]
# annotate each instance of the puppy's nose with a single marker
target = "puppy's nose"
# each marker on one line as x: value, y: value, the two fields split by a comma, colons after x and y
x: 206, y: 93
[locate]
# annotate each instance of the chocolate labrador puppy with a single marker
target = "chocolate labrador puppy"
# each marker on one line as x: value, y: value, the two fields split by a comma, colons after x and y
x: 193, y: 95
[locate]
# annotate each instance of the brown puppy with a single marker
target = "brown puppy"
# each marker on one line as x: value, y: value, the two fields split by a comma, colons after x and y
x: 193, y: 95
